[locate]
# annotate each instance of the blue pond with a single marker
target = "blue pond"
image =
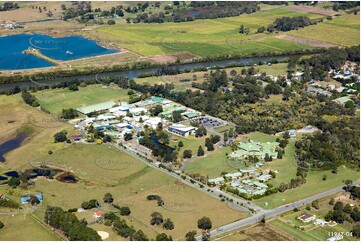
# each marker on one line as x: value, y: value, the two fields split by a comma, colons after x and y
x: 66, y: 48
x: 10, y: 145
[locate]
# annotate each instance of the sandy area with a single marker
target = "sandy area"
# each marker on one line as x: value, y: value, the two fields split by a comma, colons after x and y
x: 104, y: 235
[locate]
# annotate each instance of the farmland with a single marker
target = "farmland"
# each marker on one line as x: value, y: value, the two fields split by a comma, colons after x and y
x: 343, y: 30
x: 56, y: 100
x: 203, y: 37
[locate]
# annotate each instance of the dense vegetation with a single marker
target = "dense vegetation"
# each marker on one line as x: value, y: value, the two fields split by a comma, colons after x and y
x: 72, y: 227
x: 290, y: 23
x: 197, y: 10
x: 6, y: 6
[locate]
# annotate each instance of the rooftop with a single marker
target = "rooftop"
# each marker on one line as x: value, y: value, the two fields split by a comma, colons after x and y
x: 96, y: 107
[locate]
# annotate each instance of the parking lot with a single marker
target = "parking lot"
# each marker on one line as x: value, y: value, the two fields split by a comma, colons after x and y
x: 210, y: 122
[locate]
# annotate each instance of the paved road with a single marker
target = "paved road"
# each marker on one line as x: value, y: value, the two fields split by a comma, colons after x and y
x: 273, y: 212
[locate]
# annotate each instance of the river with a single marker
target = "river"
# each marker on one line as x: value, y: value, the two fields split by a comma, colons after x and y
x: 138, y: 72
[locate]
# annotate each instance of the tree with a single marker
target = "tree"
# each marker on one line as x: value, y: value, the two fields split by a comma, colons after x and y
x: 156, y: 110
x: 156, y: 219
x: 108, y: 198
x: 190, y: 236
x: 14, y: 182
x: 241, y: 29
x: 163, y: 237
x: 124, y: 211
x: 1, y: 225
x: 168, y: 224
x: 315, y: 204
x: 347, y: 208
x: 261, y: 29
x: 111, y: 22
x: 200, y: 151
x: 209, y: 144
x: 231, y: 133
x: 176, y: 117
x: 349, y: 104
x: 338, y: 206
x: 139, y: 236
x: 332, y: 201
x: 128, y: 136
x: 73, y: 87
x: 355, y: 214
x: 180, y: 144
x: 60, y: 137
x: 200, y: 132
x: 85, y: 205
x: 356, y: 231
x: 128, y: 20
x: 187, y: 154
x: 205, y: 223
x: 225, y: 136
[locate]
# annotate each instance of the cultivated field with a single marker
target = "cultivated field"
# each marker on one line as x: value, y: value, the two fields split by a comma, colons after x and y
x: 55, y: 100
x: 343, y: 30
x: 202, y: 37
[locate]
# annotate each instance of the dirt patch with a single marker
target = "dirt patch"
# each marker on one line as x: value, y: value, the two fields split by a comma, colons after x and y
x: 163, y: 59
x: 314, y: 10
x: 267, y: 233
x: 301, y: 40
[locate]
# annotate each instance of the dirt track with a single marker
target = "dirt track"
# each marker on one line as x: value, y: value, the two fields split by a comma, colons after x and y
x: 301, y: 40
x: 314, y: 10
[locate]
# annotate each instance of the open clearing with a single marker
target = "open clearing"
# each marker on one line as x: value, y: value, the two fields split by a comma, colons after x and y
x: 301, y: 40
x: 24, y: 227
x: 55, y: 100
x: 261, y: 232
x: 312, y: 9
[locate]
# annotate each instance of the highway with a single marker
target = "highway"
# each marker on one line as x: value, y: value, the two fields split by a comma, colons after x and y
x: 272, y: 212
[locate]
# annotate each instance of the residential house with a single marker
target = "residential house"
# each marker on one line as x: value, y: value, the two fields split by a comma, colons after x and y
x: 306, y: 218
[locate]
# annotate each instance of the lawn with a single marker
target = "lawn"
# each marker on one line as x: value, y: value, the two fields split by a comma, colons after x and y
x: 213, y: 164
x: 55, y: 100
x: 190, y: 143
x: 202, y: 37
x: 292, y: 231
x: 274, y: 69
x: 343, y: 30
x: 23, y: 228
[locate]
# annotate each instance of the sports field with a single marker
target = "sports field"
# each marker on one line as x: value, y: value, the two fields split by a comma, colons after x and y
x: 55, y: 100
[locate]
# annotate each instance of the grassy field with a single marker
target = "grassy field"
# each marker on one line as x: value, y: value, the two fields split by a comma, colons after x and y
x: 190, y: 143
x: 343, y: 30
x: 55, y: 100
x: 202, y: 37
x: 314, y: 185
x: 102, y: 169
x: 213, y: 164
x: 24, y: 228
